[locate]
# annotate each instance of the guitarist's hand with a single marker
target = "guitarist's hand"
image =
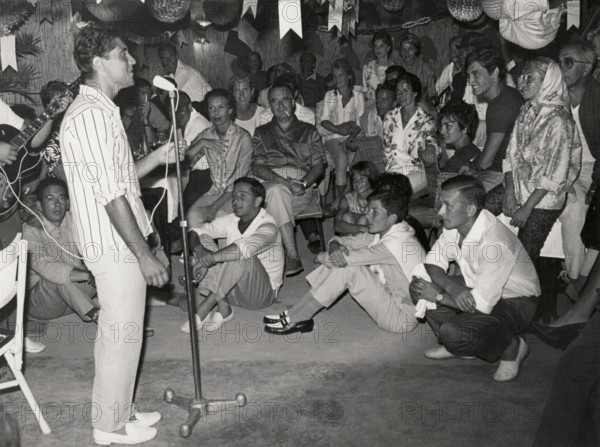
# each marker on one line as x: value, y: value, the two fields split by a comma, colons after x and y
x: 8, y: 153
x: 62, y: 104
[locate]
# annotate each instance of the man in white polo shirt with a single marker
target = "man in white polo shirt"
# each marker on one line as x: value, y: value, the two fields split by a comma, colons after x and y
x: 249, y: 270
x: 483, y: 315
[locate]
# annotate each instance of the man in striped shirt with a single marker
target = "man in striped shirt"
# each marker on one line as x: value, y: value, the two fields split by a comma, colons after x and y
x: 111, y: 227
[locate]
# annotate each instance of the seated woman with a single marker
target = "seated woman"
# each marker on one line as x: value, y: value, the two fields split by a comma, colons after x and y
x: 228, y: 150
x: 458, y: 125
x: 543, y: 157
x: 409, y: 135
x: 374, y: 72
x: 351, y: 216
x: 247, y: 112
x: 413, y: 62
x: 342, y: 109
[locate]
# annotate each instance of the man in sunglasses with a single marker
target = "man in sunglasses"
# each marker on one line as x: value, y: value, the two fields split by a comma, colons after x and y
x: 577, y: 62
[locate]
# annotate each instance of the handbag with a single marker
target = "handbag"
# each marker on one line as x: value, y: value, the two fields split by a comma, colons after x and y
x: 590, y: 233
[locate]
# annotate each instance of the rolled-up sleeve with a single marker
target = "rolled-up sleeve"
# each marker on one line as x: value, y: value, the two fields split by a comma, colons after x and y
x: 261, y: 240
x: 491, y: 277
x: 443, y: 252
x: 45, y: 258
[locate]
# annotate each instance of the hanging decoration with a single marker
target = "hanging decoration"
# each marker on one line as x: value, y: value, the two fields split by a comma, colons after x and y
x: 222, y: 12
x: 465, y: 10
x: 247, y: 33
x: 14, y: 15
x: 249, y: 5
x: 492, y: 8
x: 336, y: 15
x: 19, y: 82
x: 290, y: 17
x: 113, y: 10
x: 573, y: 13
x: 169, y: 11
x: 393, y: 5
x: 532, y: 25
x: 8, y: 53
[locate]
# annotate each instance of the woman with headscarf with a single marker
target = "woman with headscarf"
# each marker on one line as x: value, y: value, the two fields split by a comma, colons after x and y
x: 543, y: 157
x: 413, y: 62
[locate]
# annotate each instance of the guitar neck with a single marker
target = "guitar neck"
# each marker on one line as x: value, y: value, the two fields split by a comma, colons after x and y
x: 27, y: 134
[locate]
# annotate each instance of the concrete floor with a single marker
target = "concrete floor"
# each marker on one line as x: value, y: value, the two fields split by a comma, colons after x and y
x: 344, y: 337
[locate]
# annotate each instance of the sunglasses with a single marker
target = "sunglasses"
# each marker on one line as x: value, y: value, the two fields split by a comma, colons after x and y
x: 568, y: 62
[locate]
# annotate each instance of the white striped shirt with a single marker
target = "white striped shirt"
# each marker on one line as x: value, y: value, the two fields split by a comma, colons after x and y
x: 100, y: 168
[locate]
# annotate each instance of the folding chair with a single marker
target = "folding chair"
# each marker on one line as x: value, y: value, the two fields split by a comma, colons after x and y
x: 13, y: 276
x: 314, y: 211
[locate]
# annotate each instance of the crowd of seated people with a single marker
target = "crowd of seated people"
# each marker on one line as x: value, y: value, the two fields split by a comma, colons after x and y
x: 269, y: 141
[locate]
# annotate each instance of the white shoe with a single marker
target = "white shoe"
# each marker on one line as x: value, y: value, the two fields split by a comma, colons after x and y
x: 185, y: 327
x: 33, y: 347
x: 442, y: 353
x: 134, y: 434
x: 216, y: 321
x: 509, y: 369
x: 145, y: 419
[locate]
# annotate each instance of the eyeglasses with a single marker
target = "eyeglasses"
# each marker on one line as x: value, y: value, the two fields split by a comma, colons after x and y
x: 568, y: 62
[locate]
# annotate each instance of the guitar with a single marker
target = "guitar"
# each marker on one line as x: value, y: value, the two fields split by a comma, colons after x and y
x: 22, y: 171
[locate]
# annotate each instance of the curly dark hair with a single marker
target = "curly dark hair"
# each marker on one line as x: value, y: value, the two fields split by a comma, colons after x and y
x: 464, y: 114
x: 93, y: 41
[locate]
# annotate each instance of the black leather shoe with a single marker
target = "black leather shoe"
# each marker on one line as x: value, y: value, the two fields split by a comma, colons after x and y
x: 557, y: 337
x: 274, y: 319
x: 284, y: 329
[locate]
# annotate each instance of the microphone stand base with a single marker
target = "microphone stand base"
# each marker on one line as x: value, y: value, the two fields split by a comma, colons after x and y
x: 198, y: 409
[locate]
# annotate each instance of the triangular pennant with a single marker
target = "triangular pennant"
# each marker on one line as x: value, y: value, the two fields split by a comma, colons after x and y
x: 249, y: 5
x: 247, y: 33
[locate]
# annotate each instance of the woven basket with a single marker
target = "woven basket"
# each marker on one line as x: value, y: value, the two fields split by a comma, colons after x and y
x: 492, y: 8
x: 465, y: 10
x: 370, y: 149
x: 13, y: 15
x: 222, y: 12
x: 169, y: 11
x: 393, y: 5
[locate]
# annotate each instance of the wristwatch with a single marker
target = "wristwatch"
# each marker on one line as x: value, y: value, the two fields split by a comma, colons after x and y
x: 439, y: 297
x: 304, y: 184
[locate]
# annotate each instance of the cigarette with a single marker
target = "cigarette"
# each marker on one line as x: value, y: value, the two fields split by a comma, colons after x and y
x: 286, y: 112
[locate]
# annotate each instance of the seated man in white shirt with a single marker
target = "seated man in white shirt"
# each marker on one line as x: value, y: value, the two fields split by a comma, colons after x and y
x: 483, y: 315
x: 248, y: 272
x: 375, y: 268
x: 59, y: 283
x: 188, y: 78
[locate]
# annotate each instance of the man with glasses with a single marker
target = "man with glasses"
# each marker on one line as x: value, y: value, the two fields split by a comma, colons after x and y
x: 577, y: 61
x: 289, y: 157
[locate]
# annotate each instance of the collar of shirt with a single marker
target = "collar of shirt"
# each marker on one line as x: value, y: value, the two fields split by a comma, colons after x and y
x: 243, y: 226
x: 482, y: 223
x: 99, y: 98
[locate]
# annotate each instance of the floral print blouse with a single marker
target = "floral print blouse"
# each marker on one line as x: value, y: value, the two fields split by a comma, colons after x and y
x: 373, y: 75
x: 403, y: 144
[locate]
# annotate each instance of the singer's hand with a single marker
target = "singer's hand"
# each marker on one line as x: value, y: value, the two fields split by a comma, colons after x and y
x: 170, y: 150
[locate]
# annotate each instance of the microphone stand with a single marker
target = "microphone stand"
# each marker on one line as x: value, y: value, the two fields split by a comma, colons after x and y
x: 197, y: 406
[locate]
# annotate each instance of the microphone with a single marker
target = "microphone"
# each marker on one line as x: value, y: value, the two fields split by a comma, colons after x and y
x: 163, y: 84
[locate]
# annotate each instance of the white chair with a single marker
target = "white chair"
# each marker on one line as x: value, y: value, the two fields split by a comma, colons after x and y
x: 13, y: 276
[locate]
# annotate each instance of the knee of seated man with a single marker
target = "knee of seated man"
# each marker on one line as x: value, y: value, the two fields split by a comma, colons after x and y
x: 451, y: 335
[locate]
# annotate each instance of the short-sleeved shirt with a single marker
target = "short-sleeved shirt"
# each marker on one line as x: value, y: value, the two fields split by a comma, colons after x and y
x: 299, y: 146
x: 461, y: 158
x: 500, y: 117
x: 7, y: 116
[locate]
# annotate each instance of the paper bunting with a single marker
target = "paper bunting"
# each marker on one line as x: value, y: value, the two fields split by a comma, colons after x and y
x: 8, y: 53
x: 290, y: 17
x: 246, y: 33
x: 336, y: 14
x: 573, y: 13
x: 249, y: 5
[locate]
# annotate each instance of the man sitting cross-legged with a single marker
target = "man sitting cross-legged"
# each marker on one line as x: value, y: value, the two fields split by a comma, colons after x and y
x: 248, y: 271
x: 59, y: 283
x: 375, y: 268
x: 483, y: 315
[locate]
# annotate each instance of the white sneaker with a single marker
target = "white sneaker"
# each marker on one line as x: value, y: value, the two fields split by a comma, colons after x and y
x: 33, y: 347
x: 216, y: 321
x: 185, y: 327
x: 134, y: 434
x: 509, y: 369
